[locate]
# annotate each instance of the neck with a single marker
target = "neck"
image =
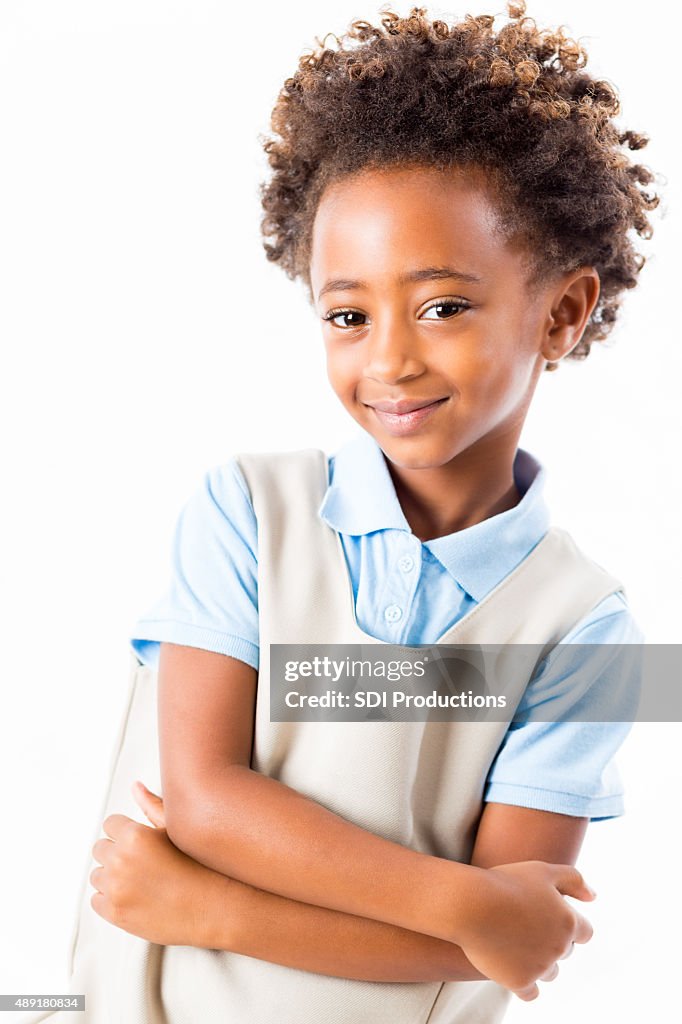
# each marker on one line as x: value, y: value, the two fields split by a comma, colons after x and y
x: 475, y: 485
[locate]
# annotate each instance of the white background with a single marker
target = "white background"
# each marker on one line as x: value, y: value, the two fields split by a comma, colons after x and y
x: 145, y: 338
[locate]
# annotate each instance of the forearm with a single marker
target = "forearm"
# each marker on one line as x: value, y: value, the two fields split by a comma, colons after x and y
x: 258, y: 830
x: 256, y: 923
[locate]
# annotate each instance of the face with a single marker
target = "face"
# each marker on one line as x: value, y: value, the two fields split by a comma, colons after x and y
x: 434, y: 343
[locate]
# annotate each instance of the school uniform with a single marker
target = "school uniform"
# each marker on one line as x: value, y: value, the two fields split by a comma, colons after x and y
x: 405, y: 592
x: 319, y: 551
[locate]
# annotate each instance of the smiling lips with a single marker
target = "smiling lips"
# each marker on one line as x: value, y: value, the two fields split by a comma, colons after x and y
x: 404, y: 416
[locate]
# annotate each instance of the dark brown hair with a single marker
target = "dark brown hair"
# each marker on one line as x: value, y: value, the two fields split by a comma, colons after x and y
x: 513, y: 102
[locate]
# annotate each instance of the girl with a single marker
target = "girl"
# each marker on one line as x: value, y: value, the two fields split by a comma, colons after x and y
x: 306, y: 871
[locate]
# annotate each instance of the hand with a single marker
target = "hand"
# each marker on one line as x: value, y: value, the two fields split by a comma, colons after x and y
x: 518, y: 924
x: 150, y: 803
x: 146, y: 885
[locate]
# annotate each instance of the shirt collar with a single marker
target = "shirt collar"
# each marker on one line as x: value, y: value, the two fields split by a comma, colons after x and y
x: 361, y: 499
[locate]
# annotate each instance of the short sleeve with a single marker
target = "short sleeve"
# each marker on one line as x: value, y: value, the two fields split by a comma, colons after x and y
x: 568, y: 766
x: 212, y: 597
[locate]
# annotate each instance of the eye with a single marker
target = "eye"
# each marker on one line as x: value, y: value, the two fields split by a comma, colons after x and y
x: 446, y: 309
x: 334, y: 314
x: 447, y: 305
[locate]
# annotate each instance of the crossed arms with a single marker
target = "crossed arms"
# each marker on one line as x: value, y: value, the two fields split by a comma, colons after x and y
x: 316, y: 892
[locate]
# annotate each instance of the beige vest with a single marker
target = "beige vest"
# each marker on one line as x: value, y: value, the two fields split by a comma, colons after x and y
x: 415, y: 783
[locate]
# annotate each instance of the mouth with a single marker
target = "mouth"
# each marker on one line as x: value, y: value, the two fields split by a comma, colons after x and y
x: 410, y: 419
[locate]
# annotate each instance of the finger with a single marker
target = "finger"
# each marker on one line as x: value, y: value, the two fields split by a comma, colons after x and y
x: 151, y: 804
x: 568, y: 952
x: 142, y: 792
x: 570, y: 882
x: 528, y: 994
x: 583, y: 930
x: 115, y: 825
x: 101, y: 850
x: 98, y: 902
x: 551, y: 974
x: 97, y: 878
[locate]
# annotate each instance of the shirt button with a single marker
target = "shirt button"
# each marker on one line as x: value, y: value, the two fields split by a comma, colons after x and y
x: 406, y: 563
x: 393, y: 613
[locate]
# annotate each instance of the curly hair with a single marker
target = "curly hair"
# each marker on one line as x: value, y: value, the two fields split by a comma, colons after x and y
x: 513, y: 103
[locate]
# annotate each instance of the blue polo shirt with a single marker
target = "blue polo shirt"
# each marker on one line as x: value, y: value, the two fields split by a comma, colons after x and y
x: 406, y: 592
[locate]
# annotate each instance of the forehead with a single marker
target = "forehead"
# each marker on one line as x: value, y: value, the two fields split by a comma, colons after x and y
x: 376, y: 222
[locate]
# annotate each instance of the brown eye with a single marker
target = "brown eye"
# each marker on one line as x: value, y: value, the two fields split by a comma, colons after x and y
x: 335, y: 314
x: 445, y: 309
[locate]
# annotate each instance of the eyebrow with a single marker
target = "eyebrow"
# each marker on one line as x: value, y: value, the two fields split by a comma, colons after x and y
x: 344, y: 284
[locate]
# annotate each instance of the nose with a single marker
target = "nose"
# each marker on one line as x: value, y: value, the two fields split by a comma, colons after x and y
x: 392, y: 352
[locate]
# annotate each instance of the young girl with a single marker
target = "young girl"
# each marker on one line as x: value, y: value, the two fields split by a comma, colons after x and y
x: 457, y: 201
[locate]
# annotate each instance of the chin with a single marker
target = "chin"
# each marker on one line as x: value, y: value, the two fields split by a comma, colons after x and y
x: 414, y: 453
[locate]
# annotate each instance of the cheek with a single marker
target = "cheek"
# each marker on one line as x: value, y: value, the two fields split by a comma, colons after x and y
x: 501, y: 386
x: 340, y: 377
x: 488, y: 381
x: 341, y: 370
x: 477, y: 373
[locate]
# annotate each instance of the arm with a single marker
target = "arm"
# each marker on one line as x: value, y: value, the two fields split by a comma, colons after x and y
x: 173, y: 899
x: 508, y: 834
x: 254, y: 828
x: 262, y: 924
x: 270, y: 927
x: 510, y: 921
x: 150, y: 888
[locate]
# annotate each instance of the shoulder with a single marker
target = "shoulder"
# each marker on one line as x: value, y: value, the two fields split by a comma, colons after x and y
x: 218, y: 511
x: 220, y: 488
x: 610, y: 621
x: 237, y: 487
x: 223, y: 482
x: 272, y: 477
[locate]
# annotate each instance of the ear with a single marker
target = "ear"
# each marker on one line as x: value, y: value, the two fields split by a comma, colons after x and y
x: 571, y: 307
